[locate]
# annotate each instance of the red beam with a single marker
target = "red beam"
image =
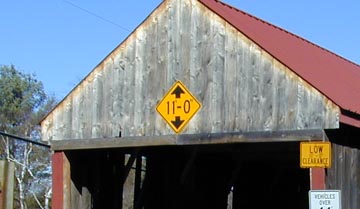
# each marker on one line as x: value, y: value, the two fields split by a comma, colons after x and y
x: 317, y: 178
x: 57, y: 180
x: 61, y: 181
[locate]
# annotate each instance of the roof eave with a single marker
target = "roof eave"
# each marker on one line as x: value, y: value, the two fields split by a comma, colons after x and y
x: 350, y: 118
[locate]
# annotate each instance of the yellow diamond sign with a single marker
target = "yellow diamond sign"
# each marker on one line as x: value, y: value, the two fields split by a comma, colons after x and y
x: 178, y: 106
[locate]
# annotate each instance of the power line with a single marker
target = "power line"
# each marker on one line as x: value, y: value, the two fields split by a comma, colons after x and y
x: 96, y: 15
x: 24, y: 139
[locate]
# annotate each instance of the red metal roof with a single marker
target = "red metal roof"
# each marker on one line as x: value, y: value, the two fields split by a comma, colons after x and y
x: 335, y: 77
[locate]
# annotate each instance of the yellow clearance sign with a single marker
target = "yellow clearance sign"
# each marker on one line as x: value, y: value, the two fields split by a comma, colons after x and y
x: 315, y: 154
x: 178, y: 106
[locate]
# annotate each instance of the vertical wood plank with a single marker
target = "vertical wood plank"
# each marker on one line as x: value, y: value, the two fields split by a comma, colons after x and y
x: 200, y: 36
x: 120, y: 66
x: 107, y: 91
x: 97, y: 104
x: 170, y: 27
x: 281, y: 99
x: 291, y: 90
x: 138, y: 82
x: 266, y: 97
x: 230, y: 77
x: 241, y: 119
x: 217, y: 77
x: 353, y: 181
x: 127, y: 93
x: 193, y: 61
x: 254, y: 87
x: 156, y: 79
x: 75, y: 134
x: 207, y: 58
x: 147, y: 100
x: 184, y: 42
x: 87, y: 119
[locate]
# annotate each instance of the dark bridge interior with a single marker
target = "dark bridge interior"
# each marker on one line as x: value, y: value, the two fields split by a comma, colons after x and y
x: 246, y: 176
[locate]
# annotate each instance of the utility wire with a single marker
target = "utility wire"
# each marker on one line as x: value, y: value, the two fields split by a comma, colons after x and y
x: 24, y: 139
x: 96, y: 15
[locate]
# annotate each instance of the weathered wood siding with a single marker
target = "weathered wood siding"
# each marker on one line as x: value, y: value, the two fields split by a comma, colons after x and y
x: 240, y: 86
x: 344, y: 174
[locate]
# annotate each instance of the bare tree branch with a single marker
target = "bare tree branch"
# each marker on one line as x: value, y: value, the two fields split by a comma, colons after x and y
x: 37, y: 200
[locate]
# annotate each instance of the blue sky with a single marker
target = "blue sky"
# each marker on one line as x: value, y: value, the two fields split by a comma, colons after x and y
x: 61, y: 41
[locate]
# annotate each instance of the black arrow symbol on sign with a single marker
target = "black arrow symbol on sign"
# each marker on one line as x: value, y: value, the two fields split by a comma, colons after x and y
x: 177, y: 122
x: 178, y: 91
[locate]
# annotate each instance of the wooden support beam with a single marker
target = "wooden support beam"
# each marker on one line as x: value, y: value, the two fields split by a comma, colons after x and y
x: 130, y: 164
x: 137, y: 184
x: 188, y: 139
x: 141, y: 196
x: 317, y: 178
x: 61, y: 181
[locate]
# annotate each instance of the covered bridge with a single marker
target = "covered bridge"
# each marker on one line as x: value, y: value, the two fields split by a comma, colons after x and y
x: 262, y: 91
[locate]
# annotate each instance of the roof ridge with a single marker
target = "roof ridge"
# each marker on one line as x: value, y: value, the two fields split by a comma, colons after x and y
x: 288, y: 32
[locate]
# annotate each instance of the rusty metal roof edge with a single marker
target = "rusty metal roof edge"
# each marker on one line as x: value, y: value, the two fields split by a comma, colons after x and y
x: 350, y: 118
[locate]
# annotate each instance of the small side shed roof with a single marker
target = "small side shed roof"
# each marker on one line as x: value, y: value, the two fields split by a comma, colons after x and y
x: 335, y: 77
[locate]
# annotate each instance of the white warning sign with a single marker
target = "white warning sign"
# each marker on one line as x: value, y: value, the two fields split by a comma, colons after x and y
x: 325, y: 199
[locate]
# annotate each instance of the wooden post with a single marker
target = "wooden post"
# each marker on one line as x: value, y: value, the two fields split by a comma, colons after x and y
x: 61, y: 181
x: 7, y: 170
x: 317, y: 178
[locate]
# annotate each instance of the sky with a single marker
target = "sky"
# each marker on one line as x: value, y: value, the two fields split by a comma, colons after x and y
x: 61, y: 41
